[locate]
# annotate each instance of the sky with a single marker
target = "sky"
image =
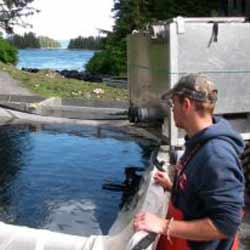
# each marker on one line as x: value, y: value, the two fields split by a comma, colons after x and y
x: 66, y: 19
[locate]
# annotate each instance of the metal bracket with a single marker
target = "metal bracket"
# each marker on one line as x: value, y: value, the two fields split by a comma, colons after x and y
x: 180, y: 24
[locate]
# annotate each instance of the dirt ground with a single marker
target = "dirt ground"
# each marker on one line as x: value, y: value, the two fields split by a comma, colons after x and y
x: 9, y: 86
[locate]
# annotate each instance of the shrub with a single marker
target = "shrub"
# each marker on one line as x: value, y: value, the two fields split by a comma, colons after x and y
x: 102, y: 63
x: 107, y: 62
x: 8, y: 53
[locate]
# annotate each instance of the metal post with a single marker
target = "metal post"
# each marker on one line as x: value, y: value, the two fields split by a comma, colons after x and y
x: 173, y: 77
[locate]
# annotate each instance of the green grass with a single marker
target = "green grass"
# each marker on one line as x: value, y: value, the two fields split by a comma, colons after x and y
x: 47, y: 83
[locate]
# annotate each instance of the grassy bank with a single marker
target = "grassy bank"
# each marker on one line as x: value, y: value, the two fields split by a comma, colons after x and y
x: 47, y: 83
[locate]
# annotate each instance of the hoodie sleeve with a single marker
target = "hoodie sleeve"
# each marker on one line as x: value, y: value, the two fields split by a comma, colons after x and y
x: 222, y: 188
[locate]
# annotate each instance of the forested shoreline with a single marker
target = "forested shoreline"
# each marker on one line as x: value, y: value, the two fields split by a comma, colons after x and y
x: 91, y: 43
x: 30, y: 40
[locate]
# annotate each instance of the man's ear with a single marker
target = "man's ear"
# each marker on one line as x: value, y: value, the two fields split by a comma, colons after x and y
x: 187, y: 104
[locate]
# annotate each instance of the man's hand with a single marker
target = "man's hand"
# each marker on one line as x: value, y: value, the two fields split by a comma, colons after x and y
x: 149, y: 222
x: 164, y: 180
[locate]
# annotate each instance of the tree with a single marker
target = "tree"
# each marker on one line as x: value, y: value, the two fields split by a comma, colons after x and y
x: 46, y: 42
x: 8, y: 53
x: 12, y: 11
x: 136, y: 15
x: 30, y: 40
x: 92, y: 43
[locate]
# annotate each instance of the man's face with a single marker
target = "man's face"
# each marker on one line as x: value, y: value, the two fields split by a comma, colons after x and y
x: 177, y: 109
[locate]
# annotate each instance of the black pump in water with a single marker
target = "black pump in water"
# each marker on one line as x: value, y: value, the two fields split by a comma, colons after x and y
x: 129, y: 186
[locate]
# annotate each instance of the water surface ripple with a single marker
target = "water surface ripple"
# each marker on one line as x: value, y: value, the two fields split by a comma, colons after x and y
x: 51, y: 176
x: 54, y: 59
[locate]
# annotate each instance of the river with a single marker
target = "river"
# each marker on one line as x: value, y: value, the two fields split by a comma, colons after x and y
x: 55, y: 59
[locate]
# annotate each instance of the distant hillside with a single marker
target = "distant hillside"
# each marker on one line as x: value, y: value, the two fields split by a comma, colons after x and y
x: 46, y: 42
x: 30, y: 40
x: 92, y: 43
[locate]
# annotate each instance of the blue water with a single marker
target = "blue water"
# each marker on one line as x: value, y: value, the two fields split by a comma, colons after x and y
x: 51, y: 176
x: 64, y: 43
x: 55, y: 59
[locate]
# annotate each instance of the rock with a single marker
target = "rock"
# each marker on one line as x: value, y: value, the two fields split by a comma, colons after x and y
x: 31, y: 70
x: 72, y: 74
x: 98, y: 91
x: 79, y: 75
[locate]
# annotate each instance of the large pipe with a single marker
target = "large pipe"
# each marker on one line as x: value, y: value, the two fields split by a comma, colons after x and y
x: 145, y: 114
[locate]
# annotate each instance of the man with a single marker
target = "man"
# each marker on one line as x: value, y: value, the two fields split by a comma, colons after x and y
x: 207, y: 193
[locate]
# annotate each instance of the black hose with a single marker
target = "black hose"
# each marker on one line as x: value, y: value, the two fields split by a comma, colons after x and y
x: 145, y: 242
x: 157, y: 164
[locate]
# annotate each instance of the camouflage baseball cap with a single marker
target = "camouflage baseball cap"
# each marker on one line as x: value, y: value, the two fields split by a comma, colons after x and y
x: 195, y: 86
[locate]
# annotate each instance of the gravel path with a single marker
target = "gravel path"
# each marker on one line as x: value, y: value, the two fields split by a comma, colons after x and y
x: 9, y: 86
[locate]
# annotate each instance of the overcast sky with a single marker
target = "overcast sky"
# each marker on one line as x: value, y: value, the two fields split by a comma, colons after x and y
x: 65, y: 19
